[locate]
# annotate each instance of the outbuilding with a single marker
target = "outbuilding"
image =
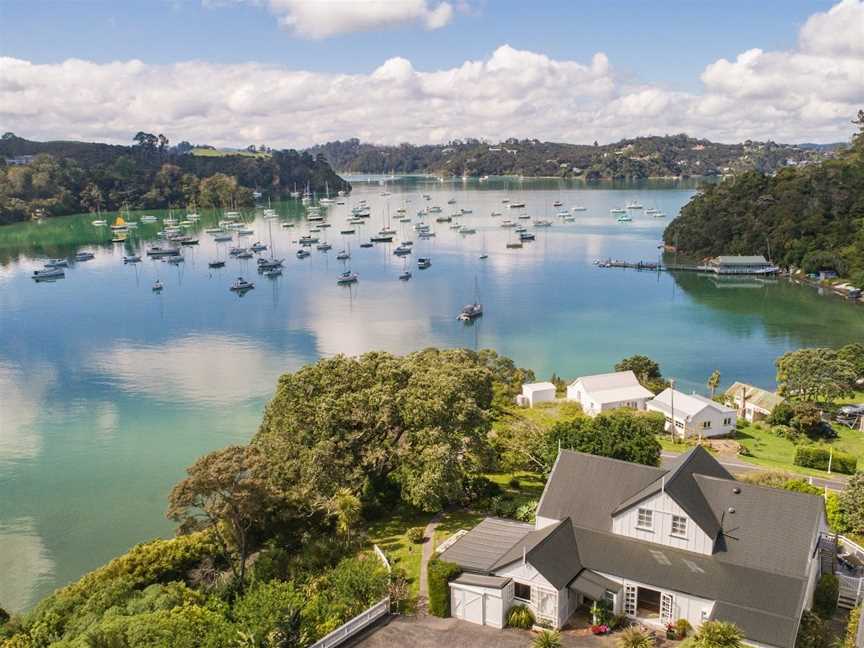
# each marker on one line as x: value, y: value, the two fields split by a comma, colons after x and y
x: 753, y: 403
x: 533, y: 393
x: 483, y: 600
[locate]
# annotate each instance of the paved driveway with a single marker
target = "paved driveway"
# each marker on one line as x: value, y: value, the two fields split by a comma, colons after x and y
x: 432, y: 632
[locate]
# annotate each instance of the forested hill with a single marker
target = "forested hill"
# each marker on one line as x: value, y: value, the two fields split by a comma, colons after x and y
x: 812, y: 217
x: 643, y: 157
x: 64, y: 177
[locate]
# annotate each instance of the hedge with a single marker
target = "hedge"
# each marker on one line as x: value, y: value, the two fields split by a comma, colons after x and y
x: 825, y: 596
x: 818, y: 457
x: 439, y: 574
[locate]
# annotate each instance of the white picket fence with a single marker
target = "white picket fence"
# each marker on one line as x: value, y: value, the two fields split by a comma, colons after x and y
x: 362, y: 620
x: 851, y: 587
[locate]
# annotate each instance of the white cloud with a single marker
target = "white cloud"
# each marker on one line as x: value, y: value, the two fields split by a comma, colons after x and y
x: 809, y: 93
x: 325, y: 18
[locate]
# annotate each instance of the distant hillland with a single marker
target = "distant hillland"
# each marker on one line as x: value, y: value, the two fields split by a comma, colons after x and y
x: 66, y: 177
x: 810, y: 217
x: 642, y: 157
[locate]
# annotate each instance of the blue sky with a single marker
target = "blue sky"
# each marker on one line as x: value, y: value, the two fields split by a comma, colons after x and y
x: 664, y: 42
x: 298, y: 72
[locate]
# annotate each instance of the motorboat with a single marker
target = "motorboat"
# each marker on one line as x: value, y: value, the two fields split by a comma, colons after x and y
x: 543, y: 223
x: 624, y: 218
x: 617, y: 210
x: 175, y: 259
x: 526, y: 236
x: 452, y: 201
x: 245, y: 255
x: 188, y: 240
x: 287, y: 225
x: 366, y: 245
x: 495, y: 214
x: 132, y: 258
x: 578, y: 208
x: 634, y: 204
x: 467, y: 230
x: 514, y: 245
x: 302, y: 254
x: 99, y: 223
x: 557, y: 203
x: 323, y: 247
x: 347, y: 277
x: 245, y: 232
x: 405, y: 275
x: 272, y: 273
x: 343, y: 255
x: 517, y: 205
x: 84, y: 256
x: 157, y: 286
x: 222, y: 238
x: 49, y: 273
x: 466, y: 211
x: 507, y: 223
x: 158, y: 251
x: 258, y: 246
x: 347, y: 231
x: 269, y: 264
x: 381, y: 238
x: 424, y: 262
x: 56, y: 263
x: 241, y: 285
x: 402, y: 250
x: 146, y: 218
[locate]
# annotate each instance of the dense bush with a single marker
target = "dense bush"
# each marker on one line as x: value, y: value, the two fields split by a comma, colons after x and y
x: 818, y: 457
x: 634, y: 638
x: 415, y: 534
x: 781, y: 414
x: 852, y: 504
x: 439, y: 574
x: 718, y: 634
x: 851, y: 638
x: 825, y: 596
x: 813, y: 632
x: 267, y: 606
x: 519, y: 616
x: 527, y: 512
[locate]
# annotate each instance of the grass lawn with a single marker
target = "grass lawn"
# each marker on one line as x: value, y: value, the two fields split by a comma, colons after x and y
x: 205, y: 152
x: 544, y: 414
x: 390, y: 535
x: 858, y: 397
x: 775, y: 452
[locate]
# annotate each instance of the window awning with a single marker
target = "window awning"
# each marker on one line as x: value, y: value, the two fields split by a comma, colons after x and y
x: 593, y: 585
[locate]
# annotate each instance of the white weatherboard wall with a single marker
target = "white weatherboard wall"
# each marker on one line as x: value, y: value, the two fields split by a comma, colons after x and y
x: 663, y: 508
x: 684, y: 606
x: 546, y: 601
x: 481, y: 605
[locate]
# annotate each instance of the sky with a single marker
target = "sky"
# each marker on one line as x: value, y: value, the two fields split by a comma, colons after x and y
x: 292, y: 73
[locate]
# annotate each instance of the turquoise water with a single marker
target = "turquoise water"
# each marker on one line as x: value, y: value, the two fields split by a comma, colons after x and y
x: 108, y: 391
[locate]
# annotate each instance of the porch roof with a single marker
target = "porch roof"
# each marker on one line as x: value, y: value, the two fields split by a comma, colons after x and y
x: 593, y: 584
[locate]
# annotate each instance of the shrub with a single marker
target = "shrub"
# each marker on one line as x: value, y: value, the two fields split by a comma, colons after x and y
x: 818, y: 457
x: 503, y: 507
x: 852, y: 628
x: 478, y: 487
x: 4, y: 616
x: 682, y: 627
x: 812, y: 632
x: 836, y: 515
x: 519, y: 616
x: 527, y: 511
x: 825, y: 596
x: 717, y: 634
x: 600, y: 612
x: 634, y: 638
x: 415, y: 534
x: 618, y: 621
x: 265, y: 605
x: 547, y: 639
x: 439, y: 574
x: 514, y: 483
x: 781, y: 414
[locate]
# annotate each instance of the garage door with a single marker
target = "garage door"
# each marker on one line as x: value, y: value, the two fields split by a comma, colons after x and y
x: 467, y: 605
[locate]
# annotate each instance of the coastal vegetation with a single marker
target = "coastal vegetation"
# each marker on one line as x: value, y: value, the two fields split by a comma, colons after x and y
x: 805, y: 217
x: 58, y: 178
x: 642, y: 157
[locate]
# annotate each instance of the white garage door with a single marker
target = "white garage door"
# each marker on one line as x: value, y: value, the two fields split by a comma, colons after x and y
x: 467, y: 605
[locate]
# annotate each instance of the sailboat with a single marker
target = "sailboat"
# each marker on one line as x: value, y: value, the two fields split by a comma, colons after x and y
x: 267, y: 265
x: 472, y: 311
x: 483, y: 254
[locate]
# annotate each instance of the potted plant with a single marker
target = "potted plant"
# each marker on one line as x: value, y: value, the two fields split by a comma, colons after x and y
x: 671, y: 631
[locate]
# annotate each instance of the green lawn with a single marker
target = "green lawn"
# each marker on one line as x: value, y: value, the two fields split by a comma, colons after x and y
x: 205, y: 152
x: 775, y: 452
x: 390, y: 535
x: 858, y: 397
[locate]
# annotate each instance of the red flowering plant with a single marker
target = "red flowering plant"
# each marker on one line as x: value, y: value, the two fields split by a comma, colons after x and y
x: 600, y: 629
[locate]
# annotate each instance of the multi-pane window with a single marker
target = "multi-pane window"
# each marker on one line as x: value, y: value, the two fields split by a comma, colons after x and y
x: 679, y: 424
x: 706, y: 424
x: 679, y: 525
x: 727, y: 421
x: 522, y: 591
x: 645, y: 519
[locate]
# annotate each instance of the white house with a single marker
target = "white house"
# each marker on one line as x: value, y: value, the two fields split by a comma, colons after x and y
x: 685, y: 542
x: 603, y: 392
x: 694, y: 415
x: 533, y: 393
x: 752, y: 403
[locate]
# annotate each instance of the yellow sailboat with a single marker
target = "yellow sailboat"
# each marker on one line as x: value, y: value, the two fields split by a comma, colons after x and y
x: 119, y: 224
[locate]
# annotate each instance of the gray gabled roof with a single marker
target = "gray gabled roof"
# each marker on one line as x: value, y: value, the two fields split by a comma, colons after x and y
x: 766, y: 628
x: 551, y: 550
x: 594, y: 585
x: 482, y: 547
x: 765, y: 597
x: 588, y: 488
x: 679, y: 484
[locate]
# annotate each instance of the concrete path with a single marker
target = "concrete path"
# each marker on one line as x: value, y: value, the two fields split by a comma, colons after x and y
x: 428, y: 547
x: 837, y: 483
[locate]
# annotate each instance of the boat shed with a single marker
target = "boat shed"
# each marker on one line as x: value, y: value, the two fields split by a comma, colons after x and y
x: 533, y: 393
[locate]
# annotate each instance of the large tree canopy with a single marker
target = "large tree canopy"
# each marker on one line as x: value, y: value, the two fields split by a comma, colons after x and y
x: 419, y: 420
x: 815, y: 374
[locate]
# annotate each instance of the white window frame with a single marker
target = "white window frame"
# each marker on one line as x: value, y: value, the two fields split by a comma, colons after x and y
x: 649, y: 526
x: 630, y: 600
x: 682, y: 521
x: 667, y: 608
x: 519, y: 598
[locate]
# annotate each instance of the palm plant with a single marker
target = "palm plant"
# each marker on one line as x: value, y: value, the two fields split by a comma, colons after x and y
x: 547, y: 639
x: 634, y: 638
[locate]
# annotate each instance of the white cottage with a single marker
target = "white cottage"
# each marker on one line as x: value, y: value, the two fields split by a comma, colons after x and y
x: 693, y: 415
x: 603, y: 392
x: 533, y: 393
x: 687, y: 542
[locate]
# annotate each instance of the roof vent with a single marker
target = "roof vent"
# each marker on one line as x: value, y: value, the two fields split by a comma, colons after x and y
x: 731, y: 509
x: 736, y: 490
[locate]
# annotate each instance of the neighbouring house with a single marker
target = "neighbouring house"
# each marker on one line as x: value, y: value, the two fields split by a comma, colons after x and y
x: 693, y: 415
x: 687, y: 541
x: 752, y: 403
x: 603, y: 392
x: 533, y: 393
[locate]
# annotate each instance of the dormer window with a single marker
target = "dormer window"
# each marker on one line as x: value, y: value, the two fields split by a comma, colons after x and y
x: 679, y: 526
x: 645, y: 519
